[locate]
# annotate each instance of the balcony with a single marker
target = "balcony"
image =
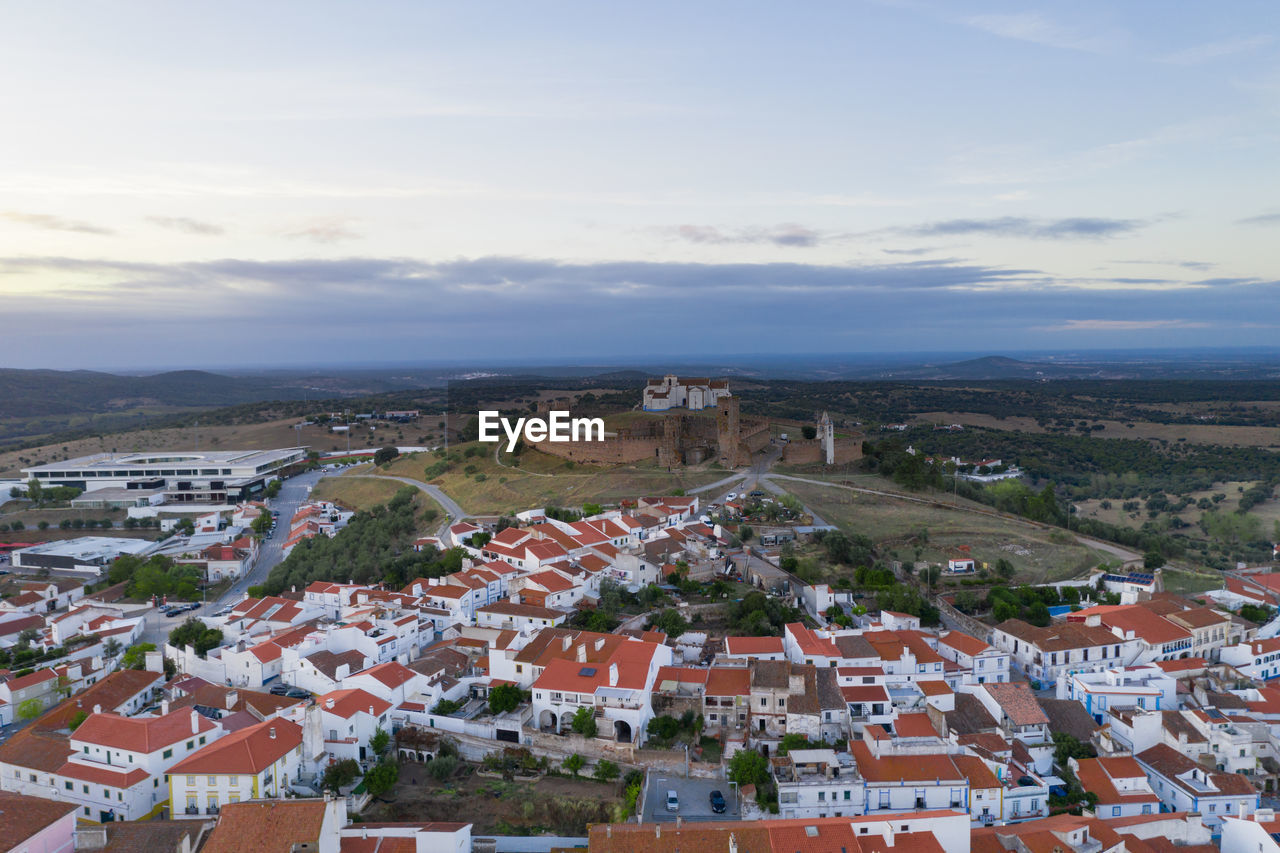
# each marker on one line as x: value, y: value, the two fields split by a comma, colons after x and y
x: 192, y: 810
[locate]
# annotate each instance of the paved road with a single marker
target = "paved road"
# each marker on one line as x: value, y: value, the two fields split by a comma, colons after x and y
x: 293, y: 492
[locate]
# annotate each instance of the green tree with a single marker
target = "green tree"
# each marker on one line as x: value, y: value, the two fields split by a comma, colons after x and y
x: 30, y: 709
x: 379, y: 740
x: 670, y: 622
x: 381, y: 778
x: 111, y: 648
x: 273, y: 488
x: 591, y: 509
x: 504, y: 698
x: 748, y: 767
x: 261, y: 524
x: 385, y: 455
x: 340, y: 774
x: 196, y: 634
x: 135, y: 657
x: 574, y: 763
x: 809, y: 431
x: 78, y: 718
x: 1153, y: 560
x: 584, y: 721
x: 606, y: 770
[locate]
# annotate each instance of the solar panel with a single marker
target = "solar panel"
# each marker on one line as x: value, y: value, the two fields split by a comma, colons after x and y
x: 587, y: 671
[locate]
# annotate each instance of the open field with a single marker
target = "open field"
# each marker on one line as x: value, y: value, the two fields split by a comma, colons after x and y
x: 551, y: 804
x: 364, y: 492
x: 278, y: 433
x: 482, y: 485
x: 1191, y: 583
x: 1039, y: 554
x: 1235, y: 436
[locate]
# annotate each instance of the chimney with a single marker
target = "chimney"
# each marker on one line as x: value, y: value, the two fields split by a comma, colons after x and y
x: 613, y: 675
x: 733, y: 843
x: 565, y: 642
x: 293, y: 588
x: 608, y: 830
x: 164, y: 707
x: 328, y: 703
x: 599, y: 643
x: 370, y: 710
x: 678, y: 821
x: 272, y: 731
x: 195, y: 722
x: 233, y: 696
x: 657, y: 830
x: 97, y: 709
x: 888, y: 834
x: 582, y: 653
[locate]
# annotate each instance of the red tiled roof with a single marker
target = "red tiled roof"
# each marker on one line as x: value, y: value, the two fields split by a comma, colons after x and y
x: 753, y: 645
x: 248, y: 751
x: 347, y: 703
x: 142, y: 734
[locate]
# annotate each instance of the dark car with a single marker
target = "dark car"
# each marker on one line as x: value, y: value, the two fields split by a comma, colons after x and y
x: 280, y: 689
x: 297, y: 694
x: 718, y: 805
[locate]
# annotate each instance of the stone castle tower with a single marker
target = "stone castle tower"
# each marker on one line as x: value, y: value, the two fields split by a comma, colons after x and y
x: 728, y: 437
x: 669, y: 450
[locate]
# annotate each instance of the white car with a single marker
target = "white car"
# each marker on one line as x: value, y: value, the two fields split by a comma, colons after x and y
x: 731, y: 496
x: 673, y: 801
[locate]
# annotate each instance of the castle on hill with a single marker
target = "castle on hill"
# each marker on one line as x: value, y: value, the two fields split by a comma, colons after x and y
x: 677, y: 392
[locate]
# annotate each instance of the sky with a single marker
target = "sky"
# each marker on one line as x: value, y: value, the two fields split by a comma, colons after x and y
x: 219, y: 184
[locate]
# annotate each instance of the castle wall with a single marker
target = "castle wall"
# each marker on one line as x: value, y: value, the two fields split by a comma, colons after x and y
x: 810, y: 451
x: 611, y: 451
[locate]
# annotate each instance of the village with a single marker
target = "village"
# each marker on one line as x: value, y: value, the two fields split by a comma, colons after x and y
x: 611, y: 648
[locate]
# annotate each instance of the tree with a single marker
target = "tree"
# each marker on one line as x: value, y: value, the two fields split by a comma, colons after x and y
x: 341, y: 774
x: 273, y: 488
x: 77, y: 719
x: 135, y: 657
x: 35, y: 490
x: 1153, y: 560
x: 196, y: 634
x: 379, y: 740
x: 748, y: 767
x: 745, y: 533
x: 30, y: 709
x: 809, y: 431
x: 111, y: 648
x: 670, y: 622
x: 592, y: 509
x: 584, y: 721
x: 385, y: 455
x: 606, y: 770
x: 261, y: 524
x: 574, y: 763
x: 381, y: 778
x: 504, y: 698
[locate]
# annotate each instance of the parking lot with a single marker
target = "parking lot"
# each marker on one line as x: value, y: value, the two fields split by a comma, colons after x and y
x: 694, y: 796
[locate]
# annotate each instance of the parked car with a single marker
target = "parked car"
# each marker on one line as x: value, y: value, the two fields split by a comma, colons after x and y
x: 280, y: 689
x: 718, y: 805
x: 673, y: 801
x: 296, y: 693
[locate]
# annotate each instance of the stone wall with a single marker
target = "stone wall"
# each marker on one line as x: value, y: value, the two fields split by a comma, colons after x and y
x: 611, y: 451
x: 809, y: 451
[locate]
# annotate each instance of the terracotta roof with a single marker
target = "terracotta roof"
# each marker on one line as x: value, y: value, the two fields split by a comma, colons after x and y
x: 914, y: 725
x: 266, y: 826
x: 348, y: 703
x: 902, y: 768
x: 149, y: 836
x: 1018, y: 703
x: 142, y: 734
x: 25, y: 817
x: 328, y: 662
x: 1170, y: 763
x: 964, y: 643
x: 248, y: 751
x: 1061, y: 637
x: 1099, y: 774
x: 528, y: 611
x: 728, y: 681
x: 391, y: 673
x: 753, y: 645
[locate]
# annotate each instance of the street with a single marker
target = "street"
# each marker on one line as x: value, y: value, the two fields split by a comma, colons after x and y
x: 293, y: 492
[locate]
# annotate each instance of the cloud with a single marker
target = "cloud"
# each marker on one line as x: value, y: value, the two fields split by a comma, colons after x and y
x: 1216, y: 50
x: 185, y: 225
x: 1261, y: 219
x: 787, y: 235
x: 324, y: 231
x: 1096, y: 325
x: 1081, y: 227
x: 55, y: 223
x: 371, y: 309
x: 1037, y: 29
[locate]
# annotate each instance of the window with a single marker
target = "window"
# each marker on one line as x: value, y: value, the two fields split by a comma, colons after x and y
x: 191, y: 780
x: 1115, y: 811
x: 168, y: 753
x: 846, y: 794
x: 822, y: 796
x: 1146, y: 808
x: 782, y: 702
x: 67, y: 785
x: 190, y: 745
x: 763, y: 701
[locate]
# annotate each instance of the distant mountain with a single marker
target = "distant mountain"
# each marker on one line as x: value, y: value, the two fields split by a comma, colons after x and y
x: 41, y: 393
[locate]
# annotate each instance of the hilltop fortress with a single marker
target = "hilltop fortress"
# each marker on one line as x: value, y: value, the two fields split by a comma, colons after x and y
x: 683, y: 431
